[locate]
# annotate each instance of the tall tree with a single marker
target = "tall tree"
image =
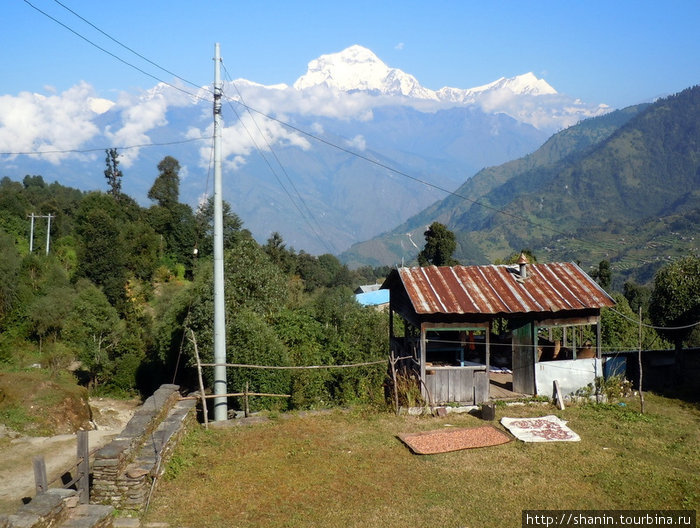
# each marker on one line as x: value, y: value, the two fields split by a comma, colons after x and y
x: 675, y: 300
x: 113, y: 173
x: 440, y: 244
x: 101, y: 254
x: 603, y: 275
x: 204, y: 217
x: 166, y: 188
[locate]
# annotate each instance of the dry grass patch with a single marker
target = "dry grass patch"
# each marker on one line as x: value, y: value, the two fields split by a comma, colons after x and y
x: 349, y: 469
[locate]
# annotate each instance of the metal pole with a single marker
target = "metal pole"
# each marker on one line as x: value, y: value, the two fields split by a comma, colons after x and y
x: 220, y: 404
x: 31, y: 234
x: 48, y: 233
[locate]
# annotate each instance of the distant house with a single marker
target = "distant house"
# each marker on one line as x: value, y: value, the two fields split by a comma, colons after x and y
x: 377, y: 298
x: 459, y: 320
x: 367, y: 288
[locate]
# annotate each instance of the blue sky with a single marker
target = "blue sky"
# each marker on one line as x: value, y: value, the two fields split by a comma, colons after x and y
x: 616, y: 52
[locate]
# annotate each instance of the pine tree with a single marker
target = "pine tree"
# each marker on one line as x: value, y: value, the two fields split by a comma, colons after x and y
x: 113, y: 173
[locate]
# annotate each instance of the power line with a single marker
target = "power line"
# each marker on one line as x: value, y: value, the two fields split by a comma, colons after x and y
x: 425, y: 182
x: 301, y: 199
x: 636, y: 321
x: 100, y: 149
x: 125, y: 46
x: 113, y: 55
x: 301, y: 131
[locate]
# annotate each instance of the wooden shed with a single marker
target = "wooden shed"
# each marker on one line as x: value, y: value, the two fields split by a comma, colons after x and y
x: 450, y: 317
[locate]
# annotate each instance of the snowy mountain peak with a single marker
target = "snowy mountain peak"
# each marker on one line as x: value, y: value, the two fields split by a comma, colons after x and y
x: 358, y: 68
x: 525, y: 84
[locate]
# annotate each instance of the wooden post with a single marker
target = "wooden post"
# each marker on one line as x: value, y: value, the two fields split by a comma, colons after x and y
x: 246, y: 410
x: 83, y: 468
x: 40, y: 479
x: 558, y: 396
x: 641, y: 394
x: 393, y: 377
x: 201, y: 382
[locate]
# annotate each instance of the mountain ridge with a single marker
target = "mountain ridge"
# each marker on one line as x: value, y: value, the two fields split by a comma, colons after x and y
x: 587, y: 194
x: 348, y: 198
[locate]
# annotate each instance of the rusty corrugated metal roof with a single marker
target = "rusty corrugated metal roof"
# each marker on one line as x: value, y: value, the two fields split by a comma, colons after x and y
x: 499, y: 289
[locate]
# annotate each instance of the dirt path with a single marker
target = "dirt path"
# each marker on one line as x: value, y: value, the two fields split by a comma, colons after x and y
x: 17, y: 452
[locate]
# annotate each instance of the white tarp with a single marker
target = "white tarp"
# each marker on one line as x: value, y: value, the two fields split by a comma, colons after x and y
x: 543, y: 429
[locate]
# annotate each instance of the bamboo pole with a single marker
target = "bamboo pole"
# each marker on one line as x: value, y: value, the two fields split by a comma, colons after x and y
x: 237, y: 394
x: 201, y: 382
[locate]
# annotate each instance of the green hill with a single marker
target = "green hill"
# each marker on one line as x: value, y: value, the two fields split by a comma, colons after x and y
x: 622, y: 187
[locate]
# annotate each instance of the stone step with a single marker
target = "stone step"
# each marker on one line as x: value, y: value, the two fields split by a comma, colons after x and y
x: 89, y: 516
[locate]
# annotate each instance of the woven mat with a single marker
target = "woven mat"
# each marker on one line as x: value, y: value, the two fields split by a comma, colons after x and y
x: 446, y: 440
x: 542, y: 429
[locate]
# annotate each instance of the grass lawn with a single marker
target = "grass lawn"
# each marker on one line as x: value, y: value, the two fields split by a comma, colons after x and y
x: 347, y: 469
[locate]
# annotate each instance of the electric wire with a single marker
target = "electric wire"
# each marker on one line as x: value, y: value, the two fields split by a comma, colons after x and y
x: 403, y: 174
x: 314, y: 136
x: 636, y: 321
x: 102, y: 149
x: 272, y: 170
x: 279, y: 162
x: 127, y: 47
x: 115, y: 56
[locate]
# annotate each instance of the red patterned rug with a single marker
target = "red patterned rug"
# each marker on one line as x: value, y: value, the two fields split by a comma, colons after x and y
x: 446, y: 440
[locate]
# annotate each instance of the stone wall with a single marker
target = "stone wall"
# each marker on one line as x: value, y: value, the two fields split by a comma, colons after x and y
x: 124, y: 471
x: 58, y: 508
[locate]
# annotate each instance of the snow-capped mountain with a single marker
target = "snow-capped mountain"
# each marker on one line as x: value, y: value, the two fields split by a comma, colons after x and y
x: 357, y: 68
x: 350, y: 99
x: 524, y: 97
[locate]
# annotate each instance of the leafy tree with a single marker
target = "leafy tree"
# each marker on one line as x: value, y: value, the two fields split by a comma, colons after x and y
x: 312, y: 272
x: 338, y: 274
x: 140, y: 243
x: 619, y: 332
x: 48, y: 313
x: 166, y: 188
x: 10, y: 265
x: 113, y: 173
x: 95, y: 328
x: 252, y: 341
x: 277, y: 250
x: 603, y: 275
x: 440, y: 244
x: 675, y: 300
x: 204, y: 219
x: 304, y: 337
x: 101, y: 251
x: 637, y: 296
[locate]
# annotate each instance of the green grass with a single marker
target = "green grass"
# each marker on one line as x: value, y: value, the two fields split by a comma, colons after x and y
x: 348, y: 469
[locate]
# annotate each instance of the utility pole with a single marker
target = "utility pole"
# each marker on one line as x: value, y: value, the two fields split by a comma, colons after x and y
x: 48, y: 231
x: 31, y: 234
x: 220, y: 387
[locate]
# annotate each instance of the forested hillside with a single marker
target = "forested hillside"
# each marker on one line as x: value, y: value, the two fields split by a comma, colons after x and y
x: 622, y: 187
x: 120, y: 284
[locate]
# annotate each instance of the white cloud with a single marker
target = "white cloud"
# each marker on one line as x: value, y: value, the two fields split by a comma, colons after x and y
x: 31, y: 122
x: 245, y: 136
x: 138, y: 118
x: 358, y: 143
x: 399, y: 46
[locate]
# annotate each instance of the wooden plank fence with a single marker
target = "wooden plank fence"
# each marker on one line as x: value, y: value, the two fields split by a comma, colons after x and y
x: 82, y: 479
